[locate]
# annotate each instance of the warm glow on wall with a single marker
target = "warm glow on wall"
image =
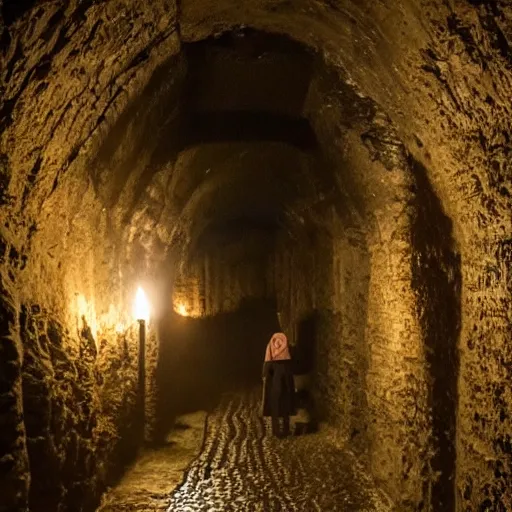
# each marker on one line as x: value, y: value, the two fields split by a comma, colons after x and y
x: 181, y: 309
x: 113, y: 318
x: 86, y: 313
x: 141, y: 306
x: 81, y: 306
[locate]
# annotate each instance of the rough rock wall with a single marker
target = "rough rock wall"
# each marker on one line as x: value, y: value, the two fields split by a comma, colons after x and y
x: 320, y: 282
x: 397, y: 384
x: 384, y: 297
x: 79, y: 377
x: 221, y: 279
x: 376, y: 199
x: 78, y: 408
x: 370, y: 364
x: 69, y: 413
x: 15, y: 480
x: 469, y: 71
x: 70, y: 417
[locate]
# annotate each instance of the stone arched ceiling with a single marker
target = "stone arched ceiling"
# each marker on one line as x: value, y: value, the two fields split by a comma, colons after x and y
x: 255, y: 183
x: 109, y: 111
x: 99, y: 99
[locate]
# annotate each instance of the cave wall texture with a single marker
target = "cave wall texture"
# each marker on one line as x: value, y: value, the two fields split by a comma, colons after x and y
x: 220, y: 280
x: 410, y: 253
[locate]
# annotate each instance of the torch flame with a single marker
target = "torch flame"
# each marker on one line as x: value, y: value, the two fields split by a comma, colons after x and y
x: 141, y: 306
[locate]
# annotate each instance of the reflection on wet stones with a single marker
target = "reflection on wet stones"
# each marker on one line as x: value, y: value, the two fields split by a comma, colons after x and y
x: 242, y: 468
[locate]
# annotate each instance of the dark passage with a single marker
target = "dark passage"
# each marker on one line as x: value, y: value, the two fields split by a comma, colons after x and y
x: 200, y: 359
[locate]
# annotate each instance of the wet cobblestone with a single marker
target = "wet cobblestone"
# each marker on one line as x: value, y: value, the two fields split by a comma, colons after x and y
x: 241, y: 467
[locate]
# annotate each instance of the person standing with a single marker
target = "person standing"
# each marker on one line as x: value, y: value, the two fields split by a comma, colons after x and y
x: 278, y: 386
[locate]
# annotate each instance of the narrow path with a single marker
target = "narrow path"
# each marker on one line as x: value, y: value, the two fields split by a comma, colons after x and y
x: 242, y: 468
x: 148, y: 483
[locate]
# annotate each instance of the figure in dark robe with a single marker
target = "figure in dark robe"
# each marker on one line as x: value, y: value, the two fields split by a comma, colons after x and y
x: 278, y: 385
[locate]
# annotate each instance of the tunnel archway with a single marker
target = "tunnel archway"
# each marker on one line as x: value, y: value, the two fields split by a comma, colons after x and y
x: 397, y: 247
x: 344, y: 219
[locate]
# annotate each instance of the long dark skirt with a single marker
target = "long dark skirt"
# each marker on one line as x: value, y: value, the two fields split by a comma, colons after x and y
x: 278, y: 389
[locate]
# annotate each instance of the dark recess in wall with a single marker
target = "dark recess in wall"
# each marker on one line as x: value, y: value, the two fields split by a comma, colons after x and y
x: 437, y: 280
x: 14, y: 9
x: 305, y: 349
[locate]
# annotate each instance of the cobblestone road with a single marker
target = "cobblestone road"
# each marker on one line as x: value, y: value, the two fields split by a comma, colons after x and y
x: 241, y: 468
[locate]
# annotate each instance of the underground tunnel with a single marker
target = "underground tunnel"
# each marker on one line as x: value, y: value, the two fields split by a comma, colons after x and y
x: 343, y: 163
